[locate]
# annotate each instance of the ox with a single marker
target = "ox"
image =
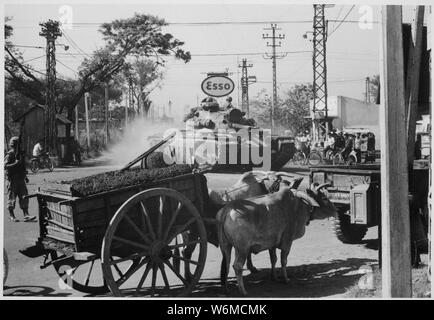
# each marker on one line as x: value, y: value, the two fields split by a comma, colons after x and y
x: 268, y: 222
x: 250, y: 184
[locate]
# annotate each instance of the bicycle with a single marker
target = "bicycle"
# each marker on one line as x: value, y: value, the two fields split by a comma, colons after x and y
x: 40, y: 163
x: 316, y: 157
x: 299, y: 158
x: 351, y: 159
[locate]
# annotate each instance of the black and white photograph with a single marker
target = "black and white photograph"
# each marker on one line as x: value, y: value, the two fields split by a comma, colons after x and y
x: 212, y: 149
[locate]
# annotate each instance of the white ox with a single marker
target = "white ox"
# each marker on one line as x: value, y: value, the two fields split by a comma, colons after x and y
x: 268, y: 222
x: 250, y: 184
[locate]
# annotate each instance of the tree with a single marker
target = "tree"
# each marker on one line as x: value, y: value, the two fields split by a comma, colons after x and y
x: 145, y: 76
x: 140, y: 35
x: 374, y: 87
x: 291, y: 110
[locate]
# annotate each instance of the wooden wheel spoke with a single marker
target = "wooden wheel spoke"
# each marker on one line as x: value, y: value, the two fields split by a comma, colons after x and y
x: 130, y: 242
x: 139, y: 232
x: 172, y: 220
x: 180, y: 245
x: 180, y: 229
x: 148, y: 220
x: 154, y: 279
x: 120, y: 274
x: 131, y: 271
x: 131, y: 257
x: 163, y: 273
x: 143, y: 278
x: 89, y: 271
x: 160, y: 217
x: 176, y: 272
x: 185, y: 259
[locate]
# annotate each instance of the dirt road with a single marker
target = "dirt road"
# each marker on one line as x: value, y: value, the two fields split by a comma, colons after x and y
x: 319, y: 265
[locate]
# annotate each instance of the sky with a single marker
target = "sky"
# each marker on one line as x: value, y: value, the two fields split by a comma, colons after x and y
x: 352, y: 51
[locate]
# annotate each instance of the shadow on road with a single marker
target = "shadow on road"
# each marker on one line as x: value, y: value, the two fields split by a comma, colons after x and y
x: 309, y: 280
x: 32, y: 291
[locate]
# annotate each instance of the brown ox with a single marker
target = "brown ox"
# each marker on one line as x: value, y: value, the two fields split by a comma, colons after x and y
x: 268, y: 222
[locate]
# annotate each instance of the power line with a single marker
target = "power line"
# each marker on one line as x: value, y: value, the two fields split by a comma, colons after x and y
x: 67, y: 66
x: 73, y: 43
x: 35, y: 58
x: 334, y: 30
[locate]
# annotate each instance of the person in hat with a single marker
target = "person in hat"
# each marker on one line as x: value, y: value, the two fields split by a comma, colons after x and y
x: 228, y: 104
x: 16, y: 174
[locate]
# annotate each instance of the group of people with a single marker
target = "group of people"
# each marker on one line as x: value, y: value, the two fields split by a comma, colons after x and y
x: 340, y: 141
x: 345, y: 143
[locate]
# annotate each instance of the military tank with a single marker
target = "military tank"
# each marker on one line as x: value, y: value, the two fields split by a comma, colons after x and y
x: 222, y: 139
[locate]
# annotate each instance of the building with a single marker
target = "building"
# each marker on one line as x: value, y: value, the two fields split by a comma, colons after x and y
x: 33, y: 121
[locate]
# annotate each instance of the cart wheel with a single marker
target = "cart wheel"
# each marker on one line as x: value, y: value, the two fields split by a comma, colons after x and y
x: 146, y: 228
x: 85, y: 277
x: 5, y: 266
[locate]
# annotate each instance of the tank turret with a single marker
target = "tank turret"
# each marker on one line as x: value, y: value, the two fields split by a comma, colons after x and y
x: 211, y: 115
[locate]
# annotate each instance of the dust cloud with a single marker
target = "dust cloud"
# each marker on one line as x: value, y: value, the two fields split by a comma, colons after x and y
x: 136, y: 139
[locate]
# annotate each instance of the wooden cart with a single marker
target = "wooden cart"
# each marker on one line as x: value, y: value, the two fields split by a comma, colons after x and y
x: 128, y: 240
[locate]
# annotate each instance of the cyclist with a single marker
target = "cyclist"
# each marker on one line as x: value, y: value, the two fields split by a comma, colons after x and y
x: 329, y: 144
x: 358, y: 146
x: 349, y: 145
x: 302, y: 143
x: 38, y: 151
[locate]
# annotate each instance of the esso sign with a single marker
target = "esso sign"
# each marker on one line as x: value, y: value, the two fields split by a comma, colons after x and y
x: 217, y: 86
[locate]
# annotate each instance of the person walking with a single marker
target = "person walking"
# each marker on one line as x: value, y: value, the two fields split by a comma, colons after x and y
x: 16, y: 174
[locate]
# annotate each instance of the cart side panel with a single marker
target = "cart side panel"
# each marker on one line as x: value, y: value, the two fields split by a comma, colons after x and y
x: 93, y: 214
x: 56, y: 219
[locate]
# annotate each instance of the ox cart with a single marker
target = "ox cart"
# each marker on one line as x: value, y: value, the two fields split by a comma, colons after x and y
x: 128, y: 241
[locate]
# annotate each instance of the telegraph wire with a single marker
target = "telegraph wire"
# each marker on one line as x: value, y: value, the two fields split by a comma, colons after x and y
x: 342, y: 21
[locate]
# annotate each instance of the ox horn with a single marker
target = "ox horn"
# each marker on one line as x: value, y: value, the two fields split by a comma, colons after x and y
x: 284, y: 174
x: 304, y: 196
x: 322, y: 185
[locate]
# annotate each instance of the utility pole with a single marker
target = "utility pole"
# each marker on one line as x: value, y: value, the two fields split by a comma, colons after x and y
x: 273, y: 57
x: 395, y: 216
x: 86, y: 111
x: 107, y: 134
x: 245, y: 86
x: 77, y: 134
x: 320, y: 110
x: 130, y: 94
x: 50, y: 30
x: 127, y: 101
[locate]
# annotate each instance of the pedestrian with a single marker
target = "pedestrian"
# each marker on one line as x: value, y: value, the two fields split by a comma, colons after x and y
x: 357, y: 146
x: 16, y: 174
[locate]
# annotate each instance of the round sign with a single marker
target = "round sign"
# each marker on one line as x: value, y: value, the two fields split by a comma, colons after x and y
x: 217, y: 86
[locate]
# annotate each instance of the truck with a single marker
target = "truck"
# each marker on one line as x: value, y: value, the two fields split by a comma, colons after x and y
x: 356, y: 193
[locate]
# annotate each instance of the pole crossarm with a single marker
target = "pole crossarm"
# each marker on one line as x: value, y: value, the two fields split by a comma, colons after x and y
x: 274, y: 56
